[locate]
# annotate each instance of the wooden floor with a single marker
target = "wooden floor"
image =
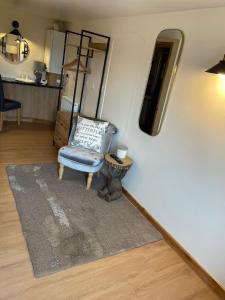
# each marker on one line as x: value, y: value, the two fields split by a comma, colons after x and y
x: 153, y: 272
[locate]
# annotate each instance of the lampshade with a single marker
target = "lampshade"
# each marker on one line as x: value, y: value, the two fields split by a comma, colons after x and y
x: 218, y: 68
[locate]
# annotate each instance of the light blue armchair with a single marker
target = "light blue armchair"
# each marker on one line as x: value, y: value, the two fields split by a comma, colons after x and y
x: 83, y: 159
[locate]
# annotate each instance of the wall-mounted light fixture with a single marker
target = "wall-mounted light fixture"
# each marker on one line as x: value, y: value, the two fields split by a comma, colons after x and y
x: 219, y: 68
x: 15, y: 31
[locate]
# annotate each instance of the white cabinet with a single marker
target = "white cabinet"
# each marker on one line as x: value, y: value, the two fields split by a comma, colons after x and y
x: 54, y: 46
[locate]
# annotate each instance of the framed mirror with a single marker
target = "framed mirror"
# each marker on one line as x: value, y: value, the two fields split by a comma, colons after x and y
x: 14, y: 48
x: 163, y: 69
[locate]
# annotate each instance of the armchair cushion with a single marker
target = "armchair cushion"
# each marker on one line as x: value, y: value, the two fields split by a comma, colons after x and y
x: 81, y: 155
x: 89, y: 134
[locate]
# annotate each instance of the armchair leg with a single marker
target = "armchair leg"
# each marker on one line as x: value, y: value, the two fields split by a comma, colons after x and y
x: 61, y: 170
x: 89, y: 180
x: 1, y: 120
x: 18, y: 115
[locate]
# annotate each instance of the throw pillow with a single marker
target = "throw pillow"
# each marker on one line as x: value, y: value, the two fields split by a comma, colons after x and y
x: 89, y: 134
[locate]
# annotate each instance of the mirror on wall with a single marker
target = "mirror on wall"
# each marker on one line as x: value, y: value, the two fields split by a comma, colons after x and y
x: 164, y: 64
x: 14, y: 48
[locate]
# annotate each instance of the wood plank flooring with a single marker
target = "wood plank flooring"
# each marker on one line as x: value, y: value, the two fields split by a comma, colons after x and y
x: 153, y: 271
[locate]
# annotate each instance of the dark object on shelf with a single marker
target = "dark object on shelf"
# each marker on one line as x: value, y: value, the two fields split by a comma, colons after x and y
x: 114, y: 173
x: 116, y: 159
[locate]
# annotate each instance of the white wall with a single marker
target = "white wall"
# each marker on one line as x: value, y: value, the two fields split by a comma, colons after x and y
x: 179, y: 175
x: 33, y: 28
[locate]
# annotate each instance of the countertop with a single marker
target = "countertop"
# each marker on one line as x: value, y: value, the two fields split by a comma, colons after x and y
x: 14, y: 81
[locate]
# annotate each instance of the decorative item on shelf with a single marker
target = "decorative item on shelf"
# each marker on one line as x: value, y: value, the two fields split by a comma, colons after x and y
x: 121, y: 151
x: 40, y: 72
x: 14, y: 47
x: 54, y: 79
x: 218, y: 69
x: 58, y: 25
x: 55, y: 25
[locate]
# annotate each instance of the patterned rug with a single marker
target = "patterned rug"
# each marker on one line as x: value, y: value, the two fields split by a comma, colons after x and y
x: 65, y: 225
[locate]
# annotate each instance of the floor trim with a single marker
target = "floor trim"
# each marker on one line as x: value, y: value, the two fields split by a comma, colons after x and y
x: 30, y: 120
x: 202, y: 273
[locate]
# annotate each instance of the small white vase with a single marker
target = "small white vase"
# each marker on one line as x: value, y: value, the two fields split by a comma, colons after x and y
x: 121, y: 152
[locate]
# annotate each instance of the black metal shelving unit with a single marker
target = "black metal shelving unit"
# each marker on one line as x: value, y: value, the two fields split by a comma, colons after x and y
x: 89, y: 36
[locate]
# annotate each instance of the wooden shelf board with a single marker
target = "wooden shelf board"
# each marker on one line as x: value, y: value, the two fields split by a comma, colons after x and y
x: 75, y: 70
x: 86, y: 48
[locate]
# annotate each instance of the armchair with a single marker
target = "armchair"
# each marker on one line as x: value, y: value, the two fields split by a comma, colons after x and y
x: 83, y: 159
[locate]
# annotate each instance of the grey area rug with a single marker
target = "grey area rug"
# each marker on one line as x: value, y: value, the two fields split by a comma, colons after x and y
x: 65, y: 225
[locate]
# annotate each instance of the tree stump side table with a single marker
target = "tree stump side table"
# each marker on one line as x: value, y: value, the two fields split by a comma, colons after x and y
x: 114, y: 173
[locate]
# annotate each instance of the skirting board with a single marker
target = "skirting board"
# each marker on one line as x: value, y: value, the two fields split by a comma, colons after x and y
x: 31, y: 120
x: 203, y: 274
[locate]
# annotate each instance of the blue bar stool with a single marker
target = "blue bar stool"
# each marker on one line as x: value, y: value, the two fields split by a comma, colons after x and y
x: 6, y: 105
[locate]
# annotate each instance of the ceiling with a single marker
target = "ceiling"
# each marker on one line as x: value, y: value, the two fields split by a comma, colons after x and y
x: 69, y: 9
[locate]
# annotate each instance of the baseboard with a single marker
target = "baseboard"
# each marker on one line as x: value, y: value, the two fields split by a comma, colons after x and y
x: 202, y: 273
x: 30, y: 120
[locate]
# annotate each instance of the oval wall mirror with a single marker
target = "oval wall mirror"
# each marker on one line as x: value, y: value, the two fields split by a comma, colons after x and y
x: 14, y: 48
x: 164, y: 64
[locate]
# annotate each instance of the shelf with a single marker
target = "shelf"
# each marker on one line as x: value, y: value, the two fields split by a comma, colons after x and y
x: 75, y: 70
x: 98, y: 46
x: 88, y: 48
x: 14, y: 81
